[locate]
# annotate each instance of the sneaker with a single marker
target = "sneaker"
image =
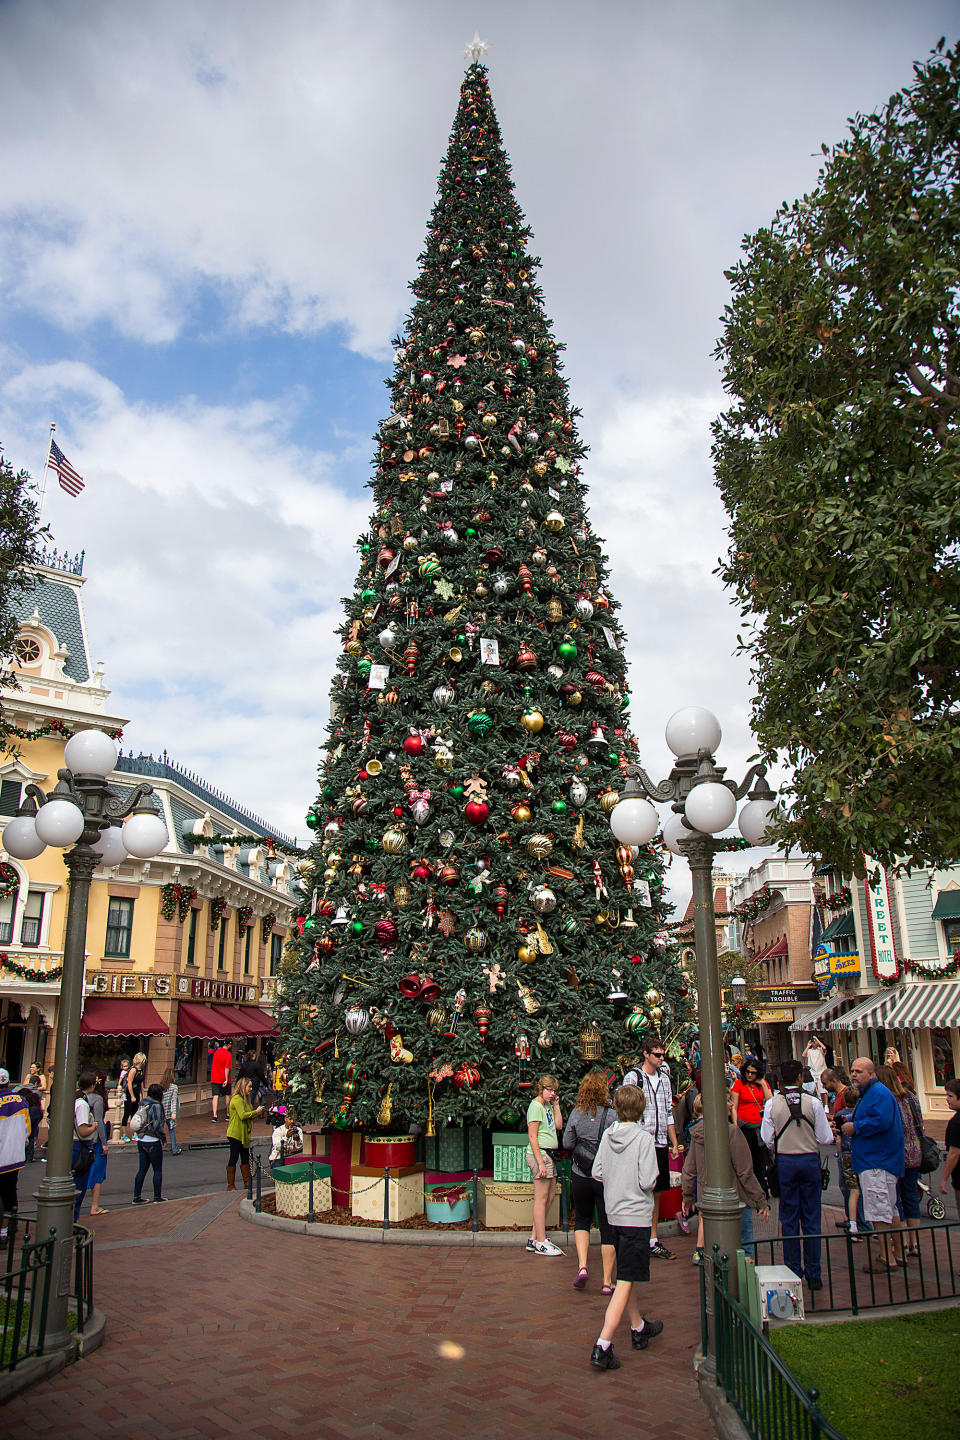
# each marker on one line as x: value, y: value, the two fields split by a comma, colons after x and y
x: 641, y: 1338
x: 139, y: 1200
x: 602, y: 1359
x: 814, y: 1284
x: 546, y: 1247
x: 159, y: 1199
x: 697, y: 1257
x: 661, y: 1251
x: 531, y: 1244
x: 213, y: 1120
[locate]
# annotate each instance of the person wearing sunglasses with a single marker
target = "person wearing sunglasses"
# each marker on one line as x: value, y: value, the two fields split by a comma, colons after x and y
x: 747, y: 1098
x: 653, y: 1078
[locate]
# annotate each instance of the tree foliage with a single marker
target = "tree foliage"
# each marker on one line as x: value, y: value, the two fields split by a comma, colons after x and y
x: 20, y: 537
x: 837, y: 462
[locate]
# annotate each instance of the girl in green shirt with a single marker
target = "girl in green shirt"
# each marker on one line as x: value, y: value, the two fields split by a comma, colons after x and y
x: 544, y: 1123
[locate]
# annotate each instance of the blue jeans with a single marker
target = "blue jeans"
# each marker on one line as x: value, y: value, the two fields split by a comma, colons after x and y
x: 150, y: 1154
x: 172, y: 1132
x: 80, y: 1181
x: 800, y: 1191
x: 746, y: 1231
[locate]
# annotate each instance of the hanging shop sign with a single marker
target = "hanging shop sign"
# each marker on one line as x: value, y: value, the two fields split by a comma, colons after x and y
x: 779, y: 995
x: 883, y: 948
x: 845, y: 964
x: 217, y: 990
x: 779, y: 1015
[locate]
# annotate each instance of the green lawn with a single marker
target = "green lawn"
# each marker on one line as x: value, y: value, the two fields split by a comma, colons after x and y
x: 896, y: 1379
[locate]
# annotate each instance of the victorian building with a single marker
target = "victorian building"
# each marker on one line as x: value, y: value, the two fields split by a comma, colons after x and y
x: 183, y: 949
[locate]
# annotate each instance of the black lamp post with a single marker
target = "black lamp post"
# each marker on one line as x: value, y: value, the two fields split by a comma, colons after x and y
x: 83, y: 809
x: 703, y: 803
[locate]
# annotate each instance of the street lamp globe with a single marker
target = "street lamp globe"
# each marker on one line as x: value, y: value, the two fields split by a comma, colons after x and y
x: 634, y: 821
x: 110, y: 846
x: 20, y: 838
x: 144, y: 835
x: 674, y: 831
x: 59, y: 823
x: 710, y: 807
x: 90, y: 752
x: 755, y: 819
x: 691, y: 729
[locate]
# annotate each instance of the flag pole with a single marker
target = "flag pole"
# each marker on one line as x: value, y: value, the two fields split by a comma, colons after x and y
x: 46, y: 467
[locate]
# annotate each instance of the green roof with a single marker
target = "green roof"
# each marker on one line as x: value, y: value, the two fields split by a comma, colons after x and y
x: 947, y: 906
x: 842, y: 925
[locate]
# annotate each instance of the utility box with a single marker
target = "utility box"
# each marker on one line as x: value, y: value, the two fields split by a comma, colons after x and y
x: 780, y: 1293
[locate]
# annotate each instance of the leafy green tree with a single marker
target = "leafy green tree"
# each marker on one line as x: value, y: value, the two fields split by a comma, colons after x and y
x: 838, y: 465
x: 20, y: 537
x: 464, y: 929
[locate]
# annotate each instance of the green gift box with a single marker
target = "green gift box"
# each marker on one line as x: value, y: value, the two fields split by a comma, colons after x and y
x: 510, y: 1158
x: 455, y: 1148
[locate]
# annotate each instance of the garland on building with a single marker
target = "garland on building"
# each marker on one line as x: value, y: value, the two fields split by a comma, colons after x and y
x: 27, y: 972
x: 179, y: 898
x: 217, y: 906
x: 266, y: 926
x: 9, y: 880
x: 938, y: 967
x: 754, y: 906
x: 841, y: 899
x: 244, y: 918
x: 243, y: 841
x: 51, y: 727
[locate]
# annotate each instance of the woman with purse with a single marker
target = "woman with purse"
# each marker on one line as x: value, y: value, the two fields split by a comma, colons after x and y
x: 749, y: 1095
x: 908, y: 1186
x: 84, y: 1132
x: 589, y: 1118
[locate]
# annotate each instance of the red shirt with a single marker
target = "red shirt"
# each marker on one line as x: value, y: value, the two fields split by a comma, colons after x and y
x: 220, y: 1066
x: 750, y: 1108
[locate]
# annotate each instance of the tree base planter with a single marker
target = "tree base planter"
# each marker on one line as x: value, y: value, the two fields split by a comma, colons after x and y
x: 41, y: 1367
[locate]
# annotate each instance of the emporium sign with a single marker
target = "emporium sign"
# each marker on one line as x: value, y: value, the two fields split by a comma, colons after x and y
x: 218, y: 990
x: 886, y: 963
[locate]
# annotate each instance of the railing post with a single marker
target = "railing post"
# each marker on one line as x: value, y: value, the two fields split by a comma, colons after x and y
x: 386, y: 1197
x: 310, y: 1193
x: 259, y: 1201
x: 475, y: 1223
x: 564, y: 1203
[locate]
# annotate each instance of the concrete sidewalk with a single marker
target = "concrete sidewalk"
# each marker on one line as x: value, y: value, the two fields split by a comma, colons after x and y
x: 216, y: 1328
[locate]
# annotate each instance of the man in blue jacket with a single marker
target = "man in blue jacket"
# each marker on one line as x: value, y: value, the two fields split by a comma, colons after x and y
x: 876, y: 1151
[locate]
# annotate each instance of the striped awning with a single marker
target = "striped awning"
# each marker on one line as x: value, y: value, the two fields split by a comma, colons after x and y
x: 926, y: 1006
x: 814, y: 1018
x: 871, y: 1014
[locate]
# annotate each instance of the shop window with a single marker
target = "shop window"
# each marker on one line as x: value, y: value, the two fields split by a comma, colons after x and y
x: 6, y: 919
x: 192, y: 938
x: 952, y: 930
x: 186, y: 1060
x: 221, y: 948
x: 32, y: 922
x: 119, y: 928
x: 276, y: 949
x: 9, y: 796
x: 246, y: 950
x: 944, y: 1068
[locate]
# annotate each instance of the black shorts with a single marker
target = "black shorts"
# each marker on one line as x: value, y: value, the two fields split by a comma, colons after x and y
x: 587, y: 1198
x: 222, y: 1089
x: 663, y: 1179
x: 633, y: 1251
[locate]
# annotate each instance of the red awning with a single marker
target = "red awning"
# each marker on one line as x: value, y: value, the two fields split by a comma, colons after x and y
x: 203, y: 1022
x: 761, y: 954
x: 103, y: 1016
x: 246, y: 1020
x: 780, y: 948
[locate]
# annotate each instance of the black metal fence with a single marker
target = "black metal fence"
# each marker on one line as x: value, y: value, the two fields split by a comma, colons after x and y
x: 25, y: 1280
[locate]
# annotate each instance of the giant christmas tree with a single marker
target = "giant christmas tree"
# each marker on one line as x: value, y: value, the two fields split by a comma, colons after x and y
x: 470, y: 920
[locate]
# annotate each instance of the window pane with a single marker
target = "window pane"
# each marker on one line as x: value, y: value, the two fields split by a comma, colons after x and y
x: 32, y: 921
x: 6, y: 920
x: 9, y: 797
x: 223, y: 942
x: 246, y: 950
x: 943, y: 1066
x: 119, y: 926
x: 192, y: 938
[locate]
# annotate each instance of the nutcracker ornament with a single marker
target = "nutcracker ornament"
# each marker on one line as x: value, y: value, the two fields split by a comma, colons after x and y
x: 456, y: 1014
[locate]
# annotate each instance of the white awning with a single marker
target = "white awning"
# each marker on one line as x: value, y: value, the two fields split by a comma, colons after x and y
x: 816, y: 1017
x: 927, y: 1006
x: 872, y: 1013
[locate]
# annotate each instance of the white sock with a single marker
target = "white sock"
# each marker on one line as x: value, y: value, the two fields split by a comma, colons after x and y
x: 638, y: 1329
x: 604, y: 1344
x: 653, y: 1241
x: 853, y: 1227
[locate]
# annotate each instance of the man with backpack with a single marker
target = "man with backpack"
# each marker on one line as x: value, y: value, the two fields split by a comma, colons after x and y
x: 151, y: 1138
x: 653, y: 1079
x: 794, y: 1126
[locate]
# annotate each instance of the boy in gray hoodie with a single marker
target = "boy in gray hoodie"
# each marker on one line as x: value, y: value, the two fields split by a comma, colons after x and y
x: 626, y: 1163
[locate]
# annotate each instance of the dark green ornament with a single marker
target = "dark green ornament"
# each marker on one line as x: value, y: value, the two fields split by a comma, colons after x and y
x: 566, y: 649
x: 363, y: 668
x: 356, y: 927
x: 313, y: 820
x: 559, y: 807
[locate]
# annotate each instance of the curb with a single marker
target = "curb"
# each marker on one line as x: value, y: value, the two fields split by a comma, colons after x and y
x: 42, y: 1367
x: 724, y: 1417
x: 459, y: 1239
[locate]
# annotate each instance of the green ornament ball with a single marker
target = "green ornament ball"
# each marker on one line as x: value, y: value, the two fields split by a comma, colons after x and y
x: 614, y: 758
x: 566, y: 649
x: 456, y: 790
x: 356, y: 927
x: 559, y: 807
x: 313, y: 819
x: 363, y: 668
x: 571, y: 925
x: 480, y: 723
x: 461, y: 638
x: 470, y: 532
x: 365, y: 549
x: 368, y: 597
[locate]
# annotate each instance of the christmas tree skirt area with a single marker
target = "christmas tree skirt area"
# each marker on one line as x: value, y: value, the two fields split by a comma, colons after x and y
x: 341, y: 1215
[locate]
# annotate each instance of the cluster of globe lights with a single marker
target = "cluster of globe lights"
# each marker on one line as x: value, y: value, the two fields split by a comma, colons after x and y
x: 709, y: 807
x: 59, y: 822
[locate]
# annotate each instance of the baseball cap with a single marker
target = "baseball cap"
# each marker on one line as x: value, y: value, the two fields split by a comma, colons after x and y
x: 4, y: 1077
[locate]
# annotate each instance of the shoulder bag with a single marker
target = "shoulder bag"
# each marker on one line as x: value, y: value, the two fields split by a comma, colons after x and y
x: 929, y: 1149
x: 585, y: 1151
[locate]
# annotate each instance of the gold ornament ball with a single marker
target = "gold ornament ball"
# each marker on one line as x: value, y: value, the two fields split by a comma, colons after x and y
x: 353, y: 647
x: 554, y: 522
x: 656, y: 1013
x: 527, y: 954
x: 521, y: 813
x: 393, y: 841
x: 443, y: 759
x: 437, y: 1018
x: 608, y: 799
x: 652, y: 996
x: 539, y: 846
x: 532, y: 721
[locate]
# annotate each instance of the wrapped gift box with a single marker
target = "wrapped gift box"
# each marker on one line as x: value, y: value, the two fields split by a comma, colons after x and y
x: 510, y: 1158
x: 455, y: 1148
x: 293, y: 1188
x: 405, y: 1192
x: 503, y: 1206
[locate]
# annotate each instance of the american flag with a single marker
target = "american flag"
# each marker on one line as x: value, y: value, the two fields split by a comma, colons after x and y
x: 70, y: 479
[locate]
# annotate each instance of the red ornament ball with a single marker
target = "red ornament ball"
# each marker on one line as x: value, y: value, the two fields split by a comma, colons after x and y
x: 413, y: 744
x: 476, y: 811
x: 398, y: 811
x: 636, y: 959
x: 466, y: 1076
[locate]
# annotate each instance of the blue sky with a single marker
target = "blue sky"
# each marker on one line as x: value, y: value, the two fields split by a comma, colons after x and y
x: 207, y: 227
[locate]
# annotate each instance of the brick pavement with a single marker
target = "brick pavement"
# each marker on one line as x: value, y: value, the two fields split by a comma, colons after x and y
x: 242, y: 1330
